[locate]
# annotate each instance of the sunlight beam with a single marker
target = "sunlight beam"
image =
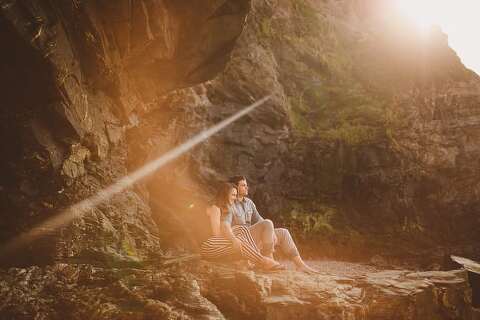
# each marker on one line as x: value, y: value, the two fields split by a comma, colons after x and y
x: 79, y: 209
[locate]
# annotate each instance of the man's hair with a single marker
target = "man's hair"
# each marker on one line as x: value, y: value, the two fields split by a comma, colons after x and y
x: 236, y: 179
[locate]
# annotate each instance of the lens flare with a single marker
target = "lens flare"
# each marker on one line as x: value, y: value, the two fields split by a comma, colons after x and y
x: 77, y: 210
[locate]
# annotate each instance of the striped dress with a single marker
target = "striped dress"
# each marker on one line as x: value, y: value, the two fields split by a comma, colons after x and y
x: 218, y: 247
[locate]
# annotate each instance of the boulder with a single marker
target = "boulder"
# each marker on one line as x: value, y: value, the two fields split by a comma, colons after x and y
x: 368, y: 294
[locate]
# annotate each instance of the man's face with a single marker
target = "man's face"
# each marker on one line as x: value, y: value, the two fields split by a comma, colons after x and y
x: 242, y: 188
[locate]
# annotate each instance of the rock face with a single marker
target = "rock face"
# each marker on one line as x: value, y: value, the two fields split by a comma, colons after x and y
x: 75, y: 77
x: 81, y: 291
x: 366, y: 148
x: 389, y: 294
x: 361, y: 137
x: 213, y: 292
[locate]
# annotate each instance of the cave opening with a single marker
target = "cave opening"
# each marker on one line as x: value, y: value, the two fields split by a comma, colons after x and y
x: 26, y: 176
x: 474, y: 280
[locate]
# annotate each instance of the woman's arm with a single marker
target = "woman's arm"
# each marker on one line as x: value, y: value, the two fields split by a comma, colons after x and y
x: 228, y: 233
x: 213, y: 213
x: 226, y: 230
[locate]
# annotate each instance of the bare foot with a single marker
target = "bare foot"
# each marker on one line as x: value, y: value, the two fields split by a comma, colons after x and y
x: 302, y: 266
x: 309, y: 270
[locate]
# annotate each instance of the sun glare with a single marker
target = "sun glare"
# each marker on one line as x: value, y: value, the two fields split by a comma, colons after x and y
x: 423, y: 13
x: 458, y: 19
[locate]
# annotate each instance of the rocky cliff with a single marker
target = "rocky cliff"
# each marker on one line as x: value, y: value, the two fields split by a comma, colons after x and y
x: 367, y: 146
x: 75, y: 76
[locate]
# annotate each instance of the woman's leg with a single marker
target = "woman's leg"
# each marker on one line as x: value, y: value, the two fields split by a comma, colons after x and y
x: 244, y: 233
x: 218, y: 247
x: 249, y: 247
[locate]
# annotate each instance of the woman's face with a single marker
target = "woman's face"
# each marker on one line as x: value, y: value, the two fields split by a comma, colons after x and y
x: 232, y: 196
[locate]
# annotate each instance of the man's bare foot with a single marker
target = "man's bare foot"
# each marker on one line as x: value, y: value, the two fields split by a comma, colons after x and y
x: 307, y: 269
x: 302, y: 266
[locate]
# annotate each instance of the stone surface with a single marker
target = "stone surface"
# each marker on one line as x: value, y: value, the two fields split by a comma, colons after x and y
x: 201, y: 290
x: 64, y: 291
x: 388, y: 294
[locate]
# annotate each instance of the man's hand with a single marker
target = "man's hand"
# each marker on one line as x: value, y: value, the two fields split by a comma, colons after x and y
x: 237, y: 245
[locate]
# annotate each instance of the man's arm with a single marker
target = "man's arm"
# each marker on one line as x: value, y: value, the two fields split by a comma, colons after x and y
x: 256, y: 217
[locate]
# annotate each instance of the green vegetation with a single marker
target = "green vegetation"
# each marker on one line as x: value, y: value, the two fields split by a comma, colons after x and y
x: 315, y: 34
x: 266, y: 29
x: 343, y: 100
x: 318, y: 223
x: 321, y: 225
x: 337, y: 113
x: 326, y: 101
x: 305, y: 19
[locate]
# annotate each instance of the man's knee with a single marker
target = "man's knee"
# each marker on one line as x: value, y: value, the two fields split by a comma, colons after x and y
x: 267, y: 224
x: 283, y: 236
x: 282, y: 233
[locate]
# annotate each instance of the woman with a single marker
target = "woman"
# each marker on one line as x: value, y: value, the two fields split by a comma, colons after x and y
x: 218, y: 246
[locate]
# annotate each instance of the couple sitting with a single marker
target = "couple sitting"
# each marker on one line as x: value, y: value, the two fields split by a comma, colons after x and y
x: 238, y: 228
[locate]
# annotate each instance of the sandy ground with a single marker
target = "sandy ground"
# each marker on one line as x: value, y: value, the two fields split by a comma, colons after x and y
x: 339, y: 268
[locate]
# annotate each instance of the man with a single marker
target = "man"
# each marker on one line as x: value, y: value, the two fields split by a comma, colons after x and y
x: 268, y: 238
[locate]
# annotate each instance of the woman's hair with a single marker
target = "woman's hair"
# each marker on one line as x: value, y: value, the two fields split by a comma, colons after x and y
x: 223, y: 193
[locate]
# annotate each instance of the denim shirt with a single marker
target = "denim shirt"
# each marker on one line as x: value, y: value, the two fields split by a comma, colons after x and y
x: 242, y: 213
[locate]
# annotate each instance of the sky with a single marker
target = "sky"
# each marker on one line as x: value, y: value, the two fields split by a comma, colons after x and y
x: 459, y: 19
